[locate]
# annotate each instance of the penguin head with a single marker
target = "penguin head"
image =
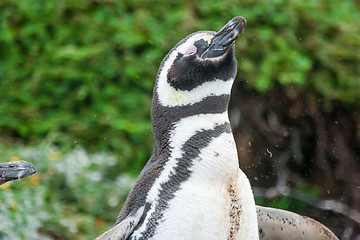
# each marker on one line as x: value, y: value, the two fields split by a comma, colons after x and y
x: 202, y: 64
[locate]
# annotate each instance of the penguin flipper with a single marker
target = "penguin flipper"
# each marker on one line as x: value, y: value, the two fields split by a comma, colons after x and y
x: 124, y: 229
x: 277, y: 224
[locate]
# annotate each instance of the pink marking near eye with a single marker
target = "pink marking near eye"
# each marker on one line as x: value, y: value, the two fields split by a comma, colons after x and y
x: 191, y: 50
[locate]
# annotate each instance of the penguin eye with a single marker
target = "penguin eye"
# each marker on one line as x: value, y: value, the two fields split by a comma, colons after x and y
x: 191, y: 50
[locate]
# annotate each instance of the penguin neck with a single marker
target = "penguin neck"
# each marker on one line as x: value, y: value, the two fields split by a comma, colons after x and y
x: 165, y: 118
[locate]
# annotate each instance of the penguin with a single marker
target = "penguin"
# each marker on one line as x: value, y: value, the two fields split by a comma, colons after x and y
x: 192, y: 186
x: 15, y: 170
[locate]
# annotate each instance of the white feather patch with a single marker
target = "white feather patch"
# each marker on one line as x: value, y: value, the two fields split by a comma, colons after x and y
x: 203, y: 203
x: 183, y: 130
x: 201, y: 208
x: 169, y: 96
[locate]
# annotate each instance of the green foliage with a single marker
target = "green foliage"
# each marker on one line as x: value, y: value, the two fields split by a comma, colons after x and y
x: 311, y: 45
x: 70, y: 197
x: 83, y: 71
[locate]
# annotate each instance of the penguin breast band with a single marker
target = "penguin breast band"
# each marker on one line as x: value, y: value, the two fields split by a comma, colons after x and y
x: 192, y: 186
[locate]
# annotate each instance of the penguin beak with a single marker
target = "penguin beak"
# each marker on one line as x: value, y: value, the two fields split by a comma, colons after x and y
x: 225, y: 38
x: 15, y: 170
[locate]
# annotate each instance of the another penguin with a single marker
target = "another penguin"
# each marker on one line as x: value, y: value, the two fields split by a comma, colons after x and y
x: 15, y: 170
x: 192, y: 186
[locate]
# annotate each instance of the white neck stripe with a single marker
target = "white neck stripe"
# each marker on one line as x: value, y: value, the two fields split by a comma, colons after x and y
x: 169, y: 96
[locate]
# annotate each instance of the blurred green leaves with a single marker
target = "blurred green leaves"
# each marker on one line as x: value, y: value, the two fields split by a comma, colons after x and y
x: 302, y: 44
x: 82, y: 72
x: 63, y: 62
x: 72, y: 196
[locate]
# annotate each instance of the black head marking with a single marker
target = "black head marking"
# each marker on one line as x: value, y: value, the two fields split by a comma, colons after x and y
x: 188, y: 72
x: 201, y: 45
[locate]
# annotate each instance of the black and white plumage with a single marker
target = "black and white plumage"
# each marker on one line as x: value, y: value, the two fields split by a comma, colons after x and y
x: 192, y: 186
x: 15, y: 170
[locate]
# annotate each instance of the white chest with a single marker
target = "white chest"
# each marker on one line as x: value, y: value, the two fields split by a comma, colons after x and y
x: 216, y: 202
